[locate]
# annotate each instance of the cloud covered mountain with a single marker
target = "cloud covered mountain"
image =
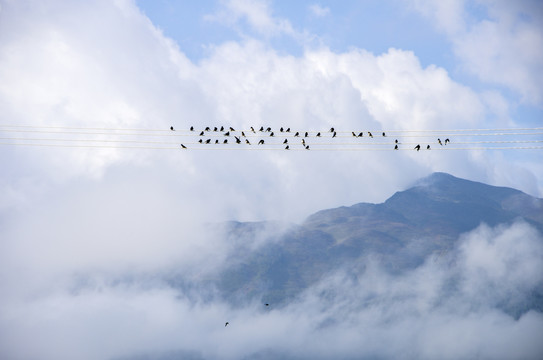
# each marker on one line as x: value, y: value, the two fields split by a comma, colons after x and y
x: 401, y: 234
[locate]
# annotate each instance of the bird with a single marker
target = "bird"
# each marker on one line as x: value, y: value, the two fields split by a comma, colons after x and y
x: 417, y: 147
x: 447, y: 140
x: 288, y: 130
x: 247, y: 141
x: 217, y: 141
x: 171, y: 128
x: 207, y: 128
x: 271, y: 134
x: 267, y: 304
x: 439, y: 141
x: 208, y: 141
x: 238, y: 141
x: 306, y: 134
x: 396, y: 147
x: 331, y: 129
x: 183, y: 146
x: 252, y: 129
x: 202, y: 133
x: 192, y: 128
x: 361, y: 134
x: 353, y: 133
x: 384, y: 134
x: 335, y: 133
x: 370, y: 135
x: 318, y: 134
x: 227, y: 133
x: 261, y: 128
x: 222, y: 128
x: 287, y: 147
x: 243, y: 134
x: 303, y: 142
x: 261, y: 142
x: 428, y: 147
x: 268, y: 129
x: 297, y: 134
x: 215, y: 129
x: 226, y: 324
x: 281, y: 129
x: 286, y: 141
x: 307, y: 147
x: 396, y: 141
x: 225, y: 141
x: 200, y: 141
x: 232, y: 129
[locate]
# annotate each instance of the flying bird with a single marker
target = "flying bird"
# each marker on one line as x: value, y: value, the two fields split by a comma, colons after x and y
x: 267, y: 304
x: 417, y: 147
x: 226, y: 324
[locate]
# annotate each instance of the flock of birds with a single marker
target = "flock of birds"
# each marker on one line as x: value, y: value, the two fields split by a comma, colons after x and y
x: 240, y: 137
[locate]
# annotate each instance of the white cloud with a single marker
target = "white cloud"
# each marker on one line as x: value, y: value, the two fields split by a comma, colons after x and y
x: 319, y: 11
x: 502, y: 47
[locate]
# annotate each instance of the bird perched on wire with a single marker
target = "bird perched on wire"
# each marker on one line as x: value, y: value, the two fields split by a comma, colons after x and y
x: 261, y: 128
x: 303, y: 142
x: 208, y: 141
x: 226, y: 324
x: 286, y: 141
x: 183, y: 146
x: 215, y: 129
x: 261, y: 142
x: 271, y: 134
x: 227, y: 133
x: 232, y: 129
x: 417, y: 147
x: 192, y: 128
x: 207, y: 129
x: 287, y: 147
x: 331, y: 129
x: 428, y: 147
x: 247, y: 142
x: 202, y: 133
x: 369, y: 134
x: 384, y: 134
x: 318, y: 134
x: 225, y: 141
x: 306, y: 134
x: 281, y: 130
x: 353, y: 133
x: 268, y: 129
x: 396, y: 147
x: 217, y: 141
x: 222, y: 128
x: 334, y: 135
x: 252, y: 129
x: 361, y: 134
x: 447, y: 141
x: 307, y: 147
x: 288, y: 130
x: 171, y: 128
x: 297, y: 134
x: 439, y: 141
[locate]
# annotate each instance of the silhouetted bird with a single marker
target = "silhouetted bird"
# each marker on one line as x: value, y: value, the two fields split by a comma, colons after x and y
x: 417, y: 147
x: 238, y: 141
x: 207, y: 129
x: 271, y: 134
x: 396, y: 147
x: 306, y: 134
x: 303, y: 142
x: 247, y: 141
x: 252, y: 129
x: 287, y: 147
x: 232, y: 129
x: 261, y: 142
x: 370, y: 135
x: 288, y: 130
x: 226, y: 324
x: 318, y: 134
x: 428, y: 147
x: 208, y: 141
x: 200, y: 141
x: 261, y: 128
x: 396, y: 141
x: 281, y: 129
x: 222, y: 128
x: 183, y: 146
x: 335, y: 133
x: 243, y: 134
x: 446, y: 141
x: 384, y: 134
x: 225, y: 141
x: 268, y: 129
x: 171, y: 128
x: 297, y: 134
x: 331, y: 129
x: 439, y: 141
x: 192, y: 128
x: 361, y: 134
x: 286, y: 141
x: 202, y: 133
x: 267, y: 304
x: 215, y: 129
x: 217, y: 141
x: 227, y: 133
x: 353, y: 134
x: 307, y: 147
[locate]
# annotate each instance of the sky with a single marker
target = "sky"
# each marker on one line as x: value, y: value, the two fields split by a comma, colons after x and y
x: 72, y: 213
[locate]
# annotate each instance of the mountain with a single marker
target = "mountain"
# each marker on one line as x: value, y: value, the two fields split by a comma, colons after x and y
x: 401, y: 233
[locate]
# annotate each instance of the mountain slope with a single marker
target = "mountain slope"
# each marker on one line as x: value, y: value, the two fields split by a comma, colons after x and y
x: 401, y: 233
